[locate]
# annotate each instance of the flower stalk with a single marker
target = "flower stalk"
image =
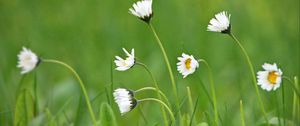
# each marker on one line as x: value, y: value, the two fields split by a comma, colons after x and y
x: 293, y: 84
x: 81, y: 85
x: 212, y: 86
x: 154, y: 89
x: 162, y: 103
x: 159, y: 93
x: 253, y: 76
x: 168, y: 66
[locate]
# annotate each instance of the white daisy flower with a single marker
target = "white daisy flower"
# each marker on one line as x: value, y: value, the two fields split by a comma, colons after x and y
x: 126, y: 64
x: 221, y: 23
x: 270, y: 78
x: 125, y: 100
x: 187, y: 64
x: 27, y: 60
x: 142, y: 9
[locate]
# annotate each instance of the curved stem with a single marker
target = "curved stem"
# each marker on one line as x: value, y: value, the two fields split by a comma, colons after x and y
x: 253, y: 76
x: 292, y: 84
x: 81, y: 85
x: 162, y: 103
x: 242, y: 113
x: 168, y: 66
x: 154, y: 89
x: 212, y: 86
x: 157, y: 89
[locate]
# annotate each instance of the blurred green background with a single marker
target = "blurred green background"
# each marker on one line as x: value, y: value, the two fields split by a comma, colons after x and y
x: 87, y: 34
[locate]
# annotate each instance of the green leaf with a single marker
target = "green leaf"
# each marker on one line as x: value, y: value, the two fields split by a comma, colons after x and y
x: 50, y: 120
x: 107, y: 116
x: 202, y: 124
x: 24, y: 110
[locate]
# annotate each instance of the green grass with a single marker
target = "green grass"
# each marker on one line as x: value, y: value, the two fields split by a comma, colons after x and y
x: 87, y: 34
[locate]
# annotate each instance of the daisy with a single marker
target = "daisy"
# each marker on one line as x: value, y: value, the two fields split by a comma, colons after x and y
x: 126, y: 64
x: 270, y: 78
x: 27, y: 60
x: 187, y: 64
x: 142, y: 9
x: 221, y: 23
x: 125, y: 100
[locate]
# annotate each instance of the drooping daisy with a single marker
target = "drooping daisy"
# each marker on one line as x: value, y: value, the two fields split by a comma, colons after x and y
x: 126, y: 64
x: 142, y: 9
x: 27, y: 60
x: 270, y: 78
x: 187, y: 64
x: 221, y: 23
x: 125, y: 100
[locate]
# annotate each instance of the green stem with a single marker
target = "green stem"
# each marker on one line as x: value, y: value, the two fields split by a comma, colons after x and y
x: 253, y: 76
x: 212, y: 86
x: 168, y: 66
x: 36, y: 105
x: 162, y: 103
x: 293, y: 85
x: 157, y: 88
x: 283, y: 105
x: 154, y: 89
x: 242, y: 113
x: 81, y: 85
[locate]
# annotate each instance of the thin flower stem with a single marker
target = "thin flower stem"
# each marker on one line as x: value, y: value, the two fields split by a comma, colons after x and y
x: 168, y: 66
x: 157, y: 89
x: 81, y: 85
x: 36, y: 105
x: 253, y: 76
x: 154, y: 89
x: 242, y: 113
x: 283, y: 105
x: 212, y: 86
x: 162, y: 103
x: 293, y: 85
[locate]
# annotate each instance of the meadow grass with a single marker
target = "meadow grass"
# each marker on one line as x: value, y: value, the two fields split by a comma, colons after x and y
x: 88, y: 34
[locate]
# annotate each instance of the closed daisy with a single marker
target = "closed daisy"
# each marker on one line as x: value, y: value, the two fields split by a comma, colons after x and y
x: 125, y: 100
x: 142, y: 9
x: 126, y: 64
x: 187, y: 64
x: 270, y: 78
x: 27, y: 60
x: 221, y: 23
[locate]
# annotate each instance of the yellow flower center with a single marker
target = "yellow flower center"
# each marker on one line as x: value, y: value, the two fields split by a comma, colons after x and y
x: 188, y: 63
x: 272, y: 77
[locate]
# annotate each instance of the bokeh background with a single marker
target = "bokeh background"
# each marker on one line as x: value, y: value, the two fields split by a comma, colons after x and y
x: 87, y: 34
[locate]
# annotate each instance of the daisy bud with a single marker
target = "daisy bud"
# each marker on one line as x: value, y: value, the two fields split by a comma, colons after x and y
x: 270, y: 78
x: 125, y: 100
x: 221, y: 23
x: 27, y: 60
x: 142, y: 9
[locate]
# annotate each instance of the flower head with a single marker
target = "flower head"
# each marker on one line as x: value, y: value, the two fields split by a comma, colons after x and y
x: 125, y: 100
x: 126, y: 64
x: 187, y: 64
x: 27, y: 60
x: 142, y: 9
x: 221, y: 23
x: 270, y: 78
